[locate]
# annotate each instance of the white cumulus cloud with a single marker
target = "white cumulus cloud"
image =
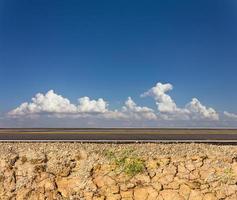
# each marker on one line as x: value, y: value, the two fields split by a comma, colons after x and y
x: 52, y: 103
x: 163, y: 101
x: 168, y: 109
x: 55, y: 105
x: 199, y: 111
x: 230, y: 115
x: 92, y: 106
x: 58, y: 106
x: 131, y: 109
x: 48, y: 103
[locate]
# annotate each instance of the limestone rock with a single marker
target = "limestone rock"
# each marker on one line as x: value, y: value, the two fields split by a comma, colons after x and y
x: 67, y: 186
x: 171, y: 195
x: 61, y: 173
x: 140, y: 193
x: 209, y: 196
x: 113, y: 197
x: 102, y: 181
x: 184, y: 191
x: 195, y: 195
x: 127, y: 194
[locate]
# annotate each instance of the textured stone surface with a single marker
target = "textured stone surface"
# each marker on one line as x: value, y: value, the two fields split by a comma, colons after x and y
x: 83, y: 171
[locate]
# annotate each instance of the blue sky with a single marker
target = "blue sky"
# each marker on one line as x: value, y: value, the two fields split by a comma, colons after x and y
x: 116, y: 49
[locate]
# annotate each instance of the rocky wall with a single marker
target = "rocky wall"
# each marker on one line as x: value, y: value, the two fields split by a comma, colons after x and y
x: 117, y: 171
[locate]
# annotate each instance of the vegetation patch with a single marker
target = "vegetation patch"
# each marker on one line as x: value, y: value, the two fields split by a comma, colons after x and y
x: 227, y: 176
x: 126, y: 161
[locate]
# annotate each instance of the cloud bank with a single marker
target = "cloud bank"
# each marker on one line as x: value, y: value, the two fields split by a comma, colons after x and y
x: 165, y: 109
x: 230, y: 115
x: 52, y: 103
x: 168, y: 109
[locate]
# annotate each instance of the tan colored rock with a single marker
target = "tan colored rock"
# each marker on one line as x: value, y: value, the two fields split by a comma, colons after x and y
x: 160, y: 197
x: 37, y: 195
x: 55, y: 171
x: 113, y: 197
x: 232, y: 197
x: 190, y: 166
x: 193, y: 185
x: 99, y: 198
x: 3, y: 165
x: 166, y: 179
x: 195, y: 195
x: 2, y: 190
x: 102, y: 181
x: 231, y: 189
x: 140, y: 193
x: 9, y: 182
x: 123, y: 186
x: 157, y: 177
x: 234, y: 168
x: 141, y: 179
x: 51, y: 195
x: 113, y: 189
x: 152, y: 164
x: 157, y: 186
x: 170, y: 169
x: 47, y: 184
x: 164, y: 161
x: 194, y: 175
x: 130, y: 185
x: 205, y: 188
x: 106, y: 169
x: 207, y: 174
x: 152, y: 193
x: 209, y: 196
x: 126, y: 194
x: 184, y: 191
x: 83, y: 155
x: 175, y: 184
x: 61, y: 165
x: 123, y: 177
x: 23, y: 194
x: 151, y: 173
x: 88, y: 195
x: 182, y: 169
x: 198, y: 163
x: 67, y: 186
x: 171, y: 195
x: 221, y: 192
x: 183, y: 173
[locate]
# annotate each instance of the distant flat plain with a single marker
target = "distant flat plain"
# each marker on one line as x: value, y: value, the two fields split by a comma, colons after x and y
x: 118, y: 134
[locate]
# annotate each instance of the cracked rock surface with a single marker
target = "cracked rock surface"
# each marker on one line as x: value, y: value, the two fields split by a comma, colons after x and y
x: 86, y: 172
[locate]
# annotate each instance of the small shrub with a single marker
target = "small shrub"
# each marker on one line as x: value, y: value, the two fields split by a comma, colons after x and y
x: 109, y: 154
x: 227, y: 175
x: 133, y: 166
x: 126, y: 161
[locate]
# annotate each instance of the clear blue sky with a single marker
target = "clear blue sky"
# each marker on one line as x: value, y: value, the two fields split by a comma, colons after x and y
x: 116, y: 49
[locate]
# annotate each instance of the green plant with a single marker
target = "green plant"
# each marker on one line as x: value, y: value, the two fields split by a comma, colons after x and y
x: 126, y: 161
x: 225, y: 176
x: 133, y: 166
x: 109, y: 154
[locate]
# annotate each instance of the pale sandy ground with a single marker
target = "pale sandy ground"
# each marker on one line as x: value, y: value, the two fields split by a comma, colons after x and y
x: 144, y: 148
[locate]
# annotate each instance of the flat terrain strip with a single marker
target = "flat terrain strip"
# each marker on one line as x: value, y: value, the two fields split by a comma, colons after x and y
x: 119, y: 134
